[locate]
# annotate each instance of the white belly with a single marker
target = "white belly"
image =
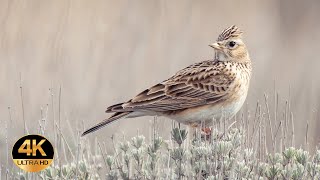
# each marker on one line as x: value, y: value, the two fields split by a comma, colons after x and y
x: 207, y: 113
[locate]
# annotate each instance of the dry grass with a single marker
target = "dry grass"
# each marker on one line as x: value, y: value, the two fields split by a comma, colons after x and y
x: 259, y: 145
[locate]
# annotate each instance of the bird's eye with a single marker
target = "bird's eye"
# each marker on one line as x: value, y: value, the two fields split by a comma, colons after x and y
x: 232, y: 44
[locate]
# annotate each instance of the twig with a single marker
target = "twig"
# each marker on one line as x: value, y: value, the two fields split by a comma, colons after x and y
x: 270, y: 123
x: 307, y: 130
x: 22, y: 106
x: 7, y: 148
x: 292, y: 130
x: 64, y: 139
x: 104, y: 158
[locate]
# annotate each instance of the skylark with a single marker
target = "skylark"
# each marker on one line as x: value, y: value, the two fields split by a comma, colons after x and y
x: 198, y: 93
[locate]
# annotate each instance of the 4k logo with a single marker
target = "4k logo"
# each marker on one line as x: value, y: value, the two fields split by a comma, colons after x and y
x: 32, y: 153
x: 25, y: 147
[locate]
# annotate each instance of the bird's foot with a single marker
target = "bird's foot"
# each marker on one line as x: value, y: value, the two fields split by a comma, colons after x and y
x: 206, y: 133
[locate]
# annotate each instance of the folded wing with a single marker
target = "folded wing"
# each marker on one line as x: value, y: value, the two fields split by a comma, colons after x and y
x: 199, y: 84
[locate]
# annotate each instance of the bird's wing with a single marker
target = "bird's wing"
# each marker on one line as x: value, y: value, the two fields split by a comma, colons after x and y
x: 199, y: 84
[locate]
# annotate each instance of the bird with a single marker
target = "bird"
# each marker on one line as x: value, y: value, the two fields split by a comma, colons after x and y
x: 199, y: 93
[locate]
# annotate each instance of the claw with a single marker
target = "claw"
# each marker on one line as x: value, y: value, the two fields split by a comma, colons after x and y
x: 206, y: 133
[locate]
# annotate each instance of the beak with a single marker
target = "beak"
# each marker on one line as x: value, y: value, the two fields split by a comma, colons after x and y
x: 216, y: 46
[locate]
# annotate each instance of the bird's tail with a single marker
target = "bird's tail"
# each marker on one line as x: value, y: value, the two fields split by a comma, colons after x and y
x: 105, y: 122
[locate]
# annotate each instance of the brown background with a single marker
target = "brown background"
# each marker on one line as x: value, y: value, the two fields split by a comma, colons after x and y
x: 103, y: 52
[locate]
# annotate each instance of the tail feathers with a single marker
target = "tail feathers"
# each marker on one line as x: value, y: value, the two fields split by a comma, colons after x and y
x: 105, y: 122
x: 116, y: 108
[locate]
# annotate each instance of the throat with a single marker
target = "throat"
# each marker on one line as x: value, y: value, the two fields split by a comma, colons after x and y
x: 220, y: 56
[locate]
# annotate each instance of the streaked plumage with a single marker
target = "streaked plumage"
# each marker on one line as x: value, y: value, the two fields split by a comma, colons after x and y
x: 199, y: 92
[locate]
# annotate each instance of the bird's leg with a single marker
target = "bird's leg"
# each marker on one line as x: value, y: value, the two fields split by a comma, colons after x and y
x: 206, y: 130
x: 205, y: 133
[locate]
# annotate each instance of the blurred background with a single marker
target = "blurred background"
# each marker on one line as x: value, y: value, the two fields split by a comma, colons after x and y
x: 105, y: 52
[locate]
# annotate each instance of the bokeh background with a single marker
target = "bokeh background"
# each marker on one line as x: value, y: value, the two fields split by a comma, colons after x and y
x: 102, y: 52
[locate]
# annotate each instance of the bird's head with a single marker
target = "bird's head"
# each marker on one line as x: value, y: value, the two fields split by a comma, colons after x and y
x: 230, y: 47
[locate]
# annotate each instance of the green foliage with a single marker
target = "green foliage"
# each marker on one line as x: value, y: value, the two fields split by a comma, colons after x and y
x: 223, y: 156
